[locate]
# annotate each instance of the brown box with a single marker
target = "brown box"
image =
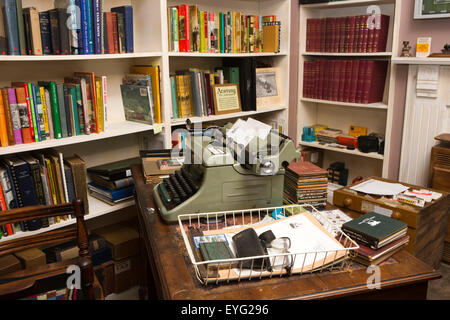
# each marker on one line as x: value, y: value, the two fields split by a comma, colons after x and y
x: 126, y: 273
x: 426, y: 226
x: 123, y: 240
x: 105, y: 275
x: 31, y: 258
x: 8, y: 264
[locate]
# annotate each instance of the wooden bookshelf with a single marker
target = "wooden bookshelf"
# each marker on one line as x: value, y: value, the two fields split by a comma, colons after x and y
x: 377, y: 117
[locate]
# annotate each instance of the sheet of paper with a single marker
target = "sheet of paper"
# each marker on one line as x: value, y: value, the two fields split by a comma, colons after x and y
x: 243, y: 132
x: 381, y: 188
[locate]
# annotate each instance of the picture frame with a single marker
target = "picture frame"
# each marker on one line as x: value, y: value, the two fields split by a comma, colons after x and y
x: 424, y: 9
x: 268, y: 90
x: 227, y: 98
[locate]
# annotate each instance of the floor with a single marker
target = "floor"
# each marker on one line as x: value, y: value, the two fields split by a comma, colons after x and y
x: 438, y: 289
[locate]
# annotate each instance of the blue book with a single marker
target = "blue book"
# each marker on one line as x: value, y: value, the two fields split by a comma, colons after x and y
x: 174, y: 98
x: 98, y: 25
x: 79, y: 22
x: 112, y: 195
x: 127, y: 12
x: 11, y: 26
x: 90, y: 26
x: 84, y: 25
x: 46, y: 38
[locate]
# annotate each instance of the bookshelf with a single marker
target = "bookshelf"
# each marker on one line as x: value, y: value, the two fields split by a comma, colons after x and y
x: 377, y: 117
x: 123, y: 139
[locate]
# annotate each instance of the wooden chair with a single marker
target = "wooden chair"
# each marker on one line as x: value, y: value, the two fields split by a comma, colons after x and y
x: 38, y: 280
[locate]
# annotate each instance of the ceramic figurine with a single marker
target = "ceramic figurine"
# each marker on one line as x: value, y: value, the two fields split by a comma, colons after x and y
x: 405, y: 50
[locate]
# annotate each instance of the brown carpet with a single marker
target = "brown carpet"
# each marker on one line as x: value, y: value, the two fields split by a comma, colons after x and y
x: 440, y: 289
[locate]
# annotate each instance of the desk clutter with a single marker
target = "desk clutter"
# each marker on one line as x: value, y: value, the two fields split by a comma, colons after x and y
x: 424, y: 211
x: 259, y: 243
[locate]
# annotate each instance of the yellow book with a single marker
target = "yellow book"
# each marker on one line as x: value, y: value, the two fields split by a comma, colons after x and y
x: 45, y: 112
x: 233, y: 30
x: 180, y: 96
x: 3, y: 131
x: 189, y: 98
x: 153, y: 72
x: 237, y: 31
x: 51, y: 181
x: 99, y: 93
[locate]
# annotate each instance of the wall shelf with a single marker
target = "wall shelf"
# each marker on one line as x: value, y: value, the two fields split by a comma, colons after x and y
x: 372, y: 155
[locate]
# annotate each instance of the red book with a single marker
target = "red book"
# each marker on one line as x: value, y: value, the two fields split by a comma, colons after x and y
x: 334, y: 35
x: 351, y: 34
x: 343, y: 34
x: 183, y: 27
x: 328, y: 77
x: 323, y: 34
x: 322, y: 73
x: 328, y: 35
x: 375, y: 81
x: 306, y: 79
x: 27, y: 101
x: 115, y: 32
x: 342, y: 79
x: 354, y: 80
x: 356, y: 42
x: 337, y: 79
x: 110, y: 31
x: 365, y: 32
x: 309, y: 35
x: 380, y: 34
x: 348, y: 80
x: 26, y: 132
x: 361, y: 80
x: 317, y: 78
x: 377, y: 256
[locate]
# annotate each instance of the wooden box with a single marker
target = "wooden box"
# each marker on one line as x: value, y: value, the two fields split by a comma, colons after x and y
x: 427, y: 226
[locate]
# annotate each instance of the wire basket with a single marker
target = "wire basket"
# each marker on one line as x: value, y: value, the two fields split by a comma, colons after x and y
x: 324, y: 245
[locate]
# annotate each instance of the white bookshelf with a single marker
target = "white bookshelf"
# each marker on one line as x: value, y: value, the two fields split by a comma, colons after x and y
x: 377, y: 117
x: 423, y: 61
x: 123, y: 139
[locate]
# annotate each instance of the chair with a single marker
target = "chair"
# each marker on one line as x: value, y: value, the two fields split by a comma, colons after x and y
x: 26, y: 283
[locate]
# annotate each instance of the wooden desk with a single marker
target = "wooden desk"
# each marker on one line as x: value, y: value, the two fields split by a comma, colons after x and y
x: 169, y: 275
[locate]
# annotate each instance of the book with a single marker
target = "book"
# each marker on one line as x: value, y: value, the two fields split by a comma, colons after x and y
x: 11, y: 26
x: 184, y: 28
x: 8, y: 116
x: 111, y: 184
x: 115, y: 32
x: 78, y: 167
x: 127, y: 12
x: 22, y: 108
x: 271, y: 32
x: 85, y: 31
x: 91, y: 98
x: 375, y: 230
x: 97, y: 6
x: 247, y: 75
x: 368, y: 256
x: 137, y: 103
x: 54, y: 105
x: 115, y: 170
x: 74, y: 25
x: 107, y: 200
x: 64, y: 36
x: 3, y: 129
x: 44, y: 25
x: 112, y: 195
x: 84, y: 102
x: 3, y: 38
x: 32, y: 17
x: 54, y: 31
x: 62, y: 110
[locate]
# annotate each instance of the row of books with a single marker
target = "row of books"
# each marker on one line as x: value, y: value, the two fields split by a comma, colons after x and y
x: 354, y: 81
x: 195, y: 30
x: 40, y: 178
x: 32, y: 112
x: 192, y: 90
x: 74, y: 27
x: 362, y: 34
x: 141, y: 94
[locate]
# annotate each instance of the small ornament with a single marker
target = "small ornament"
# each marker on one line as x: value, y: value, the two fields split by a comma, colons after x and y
x: 446, y: 49
x: 405, y: 50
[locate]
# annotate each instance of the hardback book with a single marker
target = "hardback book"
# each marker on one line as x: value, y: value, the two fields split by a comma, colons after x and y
x: 79, y: 173
x: 271, y: 32
x: 109, y: 34
x: 3, y: 129
x: 127, y: 12
x: 97, y: 7
x: 11, y: 118
x: 217, y: 251
x: 28, y: 100
x: 35, y: 30
x: 54, y: 31
x: 194, y: 28
x: 21, y: 27
x: 89, y: 77
x: 54, y: 107
x: 22, y: 108
x: 375, y: 230
x: 74, y: 21
x: 111, y: 184
x: 7, y: 188
x: 62, y: 110
x: 11, y: 26
x: 105, y: 199
x: 368, y: 256
x: 115, y: 32
x: 184, y: 28
x: 84, y: 102
x: 247, y: 80
x: 3, y: 38
x: 121, y: 32
x: 115, y: 170
x: 112, y: 195
x: 137, y: 103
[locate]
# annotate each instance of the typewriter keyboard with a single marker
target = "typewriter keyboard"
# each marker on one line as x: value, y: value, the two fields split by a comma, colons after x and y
x: 178, y: 187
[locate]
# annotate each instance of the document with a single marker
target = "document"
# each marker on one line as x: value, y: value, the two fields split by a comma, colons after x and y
x: 380, y: 188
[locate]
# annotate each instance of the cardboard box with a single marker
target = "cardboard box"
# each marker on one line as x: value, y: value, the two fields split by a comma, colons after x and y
x: 31, y: 258
x: 123, y: 240
x: 126, y: 273
x: 9, y: 263
x: 314, y: 156
x: 105, y: 275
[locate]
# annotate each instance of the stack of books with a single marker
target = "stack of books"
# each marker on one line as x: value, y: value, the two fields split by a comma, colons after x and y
x: 194, y: 30
x: 40, y: 178
x: 306, y: 183
x: 378, y: 236
x: 353, y: 81
x: 347, y: 34
x: 34, y: 112
x: 328, y: 135
x: 112, y: 182
x: 74, y: 27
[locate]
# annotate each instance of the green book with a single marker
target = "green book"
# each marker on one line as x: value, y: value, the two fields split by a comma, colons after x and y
x: 33, y: 112
x: 51, y: 87
x: 202, y: 31
x: 137, y: 103
x: 62, y: 110
x: 374, y: 229
x: 174, y: 98
x: 21, y: 28
x: 73, y: 97
x: 115, y: 170
x: 231, y: 74
x: 217, y: 251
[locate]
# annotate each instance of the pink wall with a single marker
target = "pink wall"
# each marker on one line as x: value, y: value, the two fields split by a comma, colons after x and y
x: 410, y: 29
x: 293, y: 76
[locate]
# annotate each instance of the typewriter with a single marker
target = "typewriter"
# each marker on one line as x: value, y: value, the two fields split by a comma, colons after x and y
x: 221, y: 175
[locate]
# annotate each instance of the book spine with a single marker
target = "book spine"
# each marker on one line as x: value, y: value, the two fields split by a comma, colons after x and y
x: 44, y: 22
x: 21, y: 27
x: 202, y: 31
x: 6, y: 229
x: 79, y: 26
x: 3, y: 132
x: 174, y: 98
x: 34, y: 106
x: 11, y: 26
x: 85, y: 25
x: 99, y: 93
x: 49, y: 113
x: 44, y: 113
x: 104, y: 81
x: 37, y: 181
x: 105, y: 35
x: 361, y: 80
x: 28, y: 36
x: 97, y: 24
x: 121, y: 32
x: 363, y: 238
x: 40, y: 113
x: 62, y: 110
x: 351, y: 34
x: 184, y: 30
x: 31, y: 116
x: 365, y: 33
x: 72, y: 25
x: 90, y: 26
x: 69, y: 111
x: 129, y: 29
x: 54, y: 32
x: 8, y: 117
x: 115, y: 32
x: 35, y: 31
x: 22, y: 113
x: 63, y: 31
x: 55, y: 110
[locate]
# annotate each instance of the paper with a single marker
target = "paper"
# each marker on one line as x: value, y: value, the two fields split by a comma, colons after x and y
x: 243, y: 132
x: 381, y: 188
x: 157, y: 128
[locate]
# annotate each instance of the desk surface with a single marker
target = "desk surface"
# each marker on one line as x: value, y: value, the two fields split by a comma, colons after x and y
x: 175, y: 278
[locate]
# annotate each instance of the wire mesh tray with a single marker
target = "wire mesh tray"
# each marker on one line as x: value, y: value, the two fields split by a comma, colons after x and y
x: 316, y: 243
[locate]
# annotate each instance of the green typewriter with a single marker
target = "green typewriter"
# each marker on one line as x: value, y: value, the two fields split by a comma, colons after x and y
x: 220, y: 174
